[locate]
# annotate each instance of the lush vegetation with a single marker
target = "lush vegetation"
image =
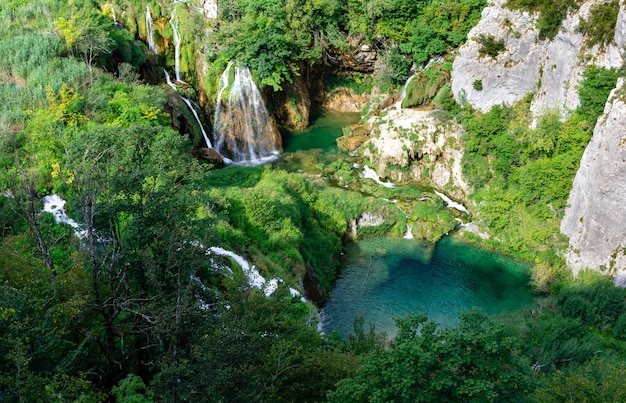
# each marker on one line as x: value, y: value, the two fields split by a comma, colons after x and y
x: 522, y: 176
x: 133, y: 309
x: 551, y: 13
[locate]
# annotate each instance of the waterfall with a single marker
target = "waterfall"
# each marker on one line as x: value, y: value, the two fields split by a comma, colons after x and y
x: 255, y: 279
x: 409, y: 231
x: 193, y: 110
x: 403, y: 94
x: 56, y: 205
x: 242, y: 128
x: 452, y: 204
x: 195, y: 115
x: 168, y: 80
x: 176, y: 33
x: 369, y: 173
x: 150, y: 31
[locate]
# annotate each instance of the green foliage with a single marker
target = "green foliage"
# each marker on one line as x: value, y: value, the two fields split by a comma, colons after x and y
x: 444, y: 100
x: 600, y: 27
x: 131, y: 390
x: 490, y: 46
x: 400, y: 66
x: 600, y: 380
x: 592, y: 298
x: 478, y: 85
x: 473, y: 361
x: 551, y: 13
x: 547, y: 277
x: 522, y: 176
x: 424, y: 86
x: 554, y: 342
x: 272, y: 38
x: 356, y: 82
x: 595, y: 88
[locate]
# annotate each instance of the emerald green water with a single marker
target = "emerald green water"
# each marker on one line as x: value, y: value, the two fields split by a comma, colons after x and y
x: 384, y: 278
x: 322, y: 134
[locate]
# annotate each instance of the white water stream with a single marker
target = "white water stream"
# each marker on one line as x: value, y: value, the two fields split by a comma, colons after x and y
x: 150, y: 31
x: 369, y: 173
x: 176, y: 34
x: 451, y: 203
x: 56, y: 205
x: 193, y: 110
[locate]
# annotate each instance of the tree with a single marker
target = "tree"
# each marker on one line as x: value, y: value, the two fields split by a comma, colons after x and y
x: 473, y: 361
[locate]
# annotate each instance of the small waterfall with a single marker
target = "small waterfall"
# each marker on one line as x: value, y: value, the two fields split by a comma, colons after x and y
x: 56, y: 205
x: 193, y: 110
x: 409, y: 231
x: 403, y: 94
x: 150, y: 31
x: 255, y: 279
x: 452, y: 204
x: 243, y: 131
x: 195, y: 115
x: 168, y: 80
x: 174, y: 24
x: 369, y: 173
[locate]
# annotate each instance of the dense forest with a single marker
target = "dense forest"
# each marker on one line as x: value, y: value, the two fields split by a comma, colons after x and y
x: 145, y: 293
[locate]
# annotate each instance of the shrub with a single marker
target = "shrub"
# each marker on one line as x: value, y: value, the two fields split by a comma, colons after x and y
x: 600, y: 27
x: 490, y: 46
x: 478, y: 85
x: 593, y: 298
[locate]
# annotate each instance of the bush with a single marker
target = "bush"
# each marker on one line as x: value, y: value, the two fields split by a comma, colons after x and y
x: 595, y: 88
x: 490, y: 46
x: 592, y: 298
x: 600, y: 27
x: 551, y: 13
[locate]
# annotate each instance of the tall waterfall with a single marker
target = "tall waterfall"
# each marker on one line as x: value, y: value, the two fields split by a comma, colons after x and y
x: 150, y: 31
x: 190, y: 105
x: 242, y: 130
x: 176, y: 33
x: 195, y: 115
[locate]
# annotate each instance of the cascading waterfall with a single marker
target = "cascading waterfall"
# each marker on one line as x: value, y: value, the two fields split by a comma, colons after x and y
x: 369, y: 173
x: 242, y: 130
x: 452, y: 204
x: 176, y: 33
x: 403, y: 94
x: 56, y: 205
x: 193, y: 110
x: 409, y: 231
x: 150, y: 31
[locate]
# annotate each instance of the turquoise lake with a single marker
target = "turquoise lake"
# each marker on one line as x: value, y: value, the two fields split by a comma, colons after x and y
x: 384, y: 278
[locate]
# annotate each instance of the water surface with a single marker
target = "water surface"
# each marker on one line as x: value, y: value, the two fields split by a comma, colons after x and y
x: 322, y: 134
x: 384, y: 278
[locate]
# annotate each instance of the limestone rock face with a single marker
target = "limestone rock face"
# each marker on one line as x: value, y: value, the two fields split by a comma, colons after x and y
x: 344, y: 100
x: 411, y: 144
x: 595, y: 220
x: 512, y: 73
x: 552, y: 69
x: 620, y: 30
x: 210, y: 9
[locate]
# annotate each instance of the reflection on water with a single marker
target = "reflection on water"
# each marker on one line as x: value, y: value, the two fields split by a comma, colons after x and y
x: 384, y: 278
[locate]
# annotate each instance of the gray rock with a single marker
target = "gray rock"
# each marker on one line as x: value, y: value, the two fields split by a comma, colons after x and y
x: 595, y: 220
x: 550, y: 69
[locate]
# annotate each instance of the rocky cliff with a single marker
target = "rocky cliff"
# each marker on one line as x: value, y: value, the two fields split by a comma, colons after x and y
x: 595, y: 220
x: 413, y: 144
x: 504, y: 60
